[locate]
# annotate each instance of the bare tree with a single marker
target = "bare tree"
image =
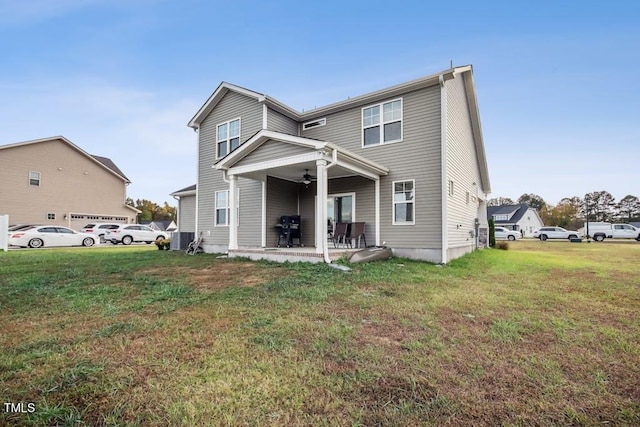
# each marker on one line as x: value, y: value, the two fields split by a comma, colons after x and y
x: 500, y: 201
x: 533, y: 200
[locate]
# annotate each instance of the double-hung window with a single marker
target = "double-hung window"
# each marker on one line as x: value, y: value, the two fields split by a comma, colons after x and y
x: 34, y: 179
x: 228, y: 137
x: 403, y: 202
x: 222, y: 208
x: 382, y: 123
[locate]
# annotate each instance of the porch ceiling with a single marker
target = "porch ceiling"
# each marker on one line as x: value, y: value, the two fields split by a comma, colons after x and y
x: 343, y: 163
x: 294, y: 173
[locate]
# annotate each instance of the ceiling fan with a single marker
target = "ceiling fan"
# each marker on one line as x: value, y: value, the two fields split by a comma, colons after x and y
x: 306, y: 178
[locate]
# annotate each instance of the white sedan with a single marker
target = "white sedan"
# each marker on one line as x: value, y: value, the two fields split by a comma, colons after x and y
x: 502, y: 233
x: 48, y: 235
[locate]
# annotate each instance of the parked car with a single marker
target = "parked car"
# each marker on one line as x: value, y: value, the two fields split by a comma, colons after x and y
x: 545, y: 233
x: 502, y: 233
x: 18, y: 227
x: 100, y: 229
x: 129, y: 233
x: 606, y: 230
x: 47, y: 235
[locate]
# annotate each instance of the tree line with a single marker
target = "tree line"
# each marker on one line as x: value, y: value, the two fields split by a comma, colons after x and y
x: 152, y: 211
x: 571, y: 212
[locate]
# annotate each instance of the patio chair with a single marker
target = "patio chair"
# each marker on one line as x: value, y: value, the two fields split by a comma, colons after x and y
x: 357, y: 233
x: 341, y: 234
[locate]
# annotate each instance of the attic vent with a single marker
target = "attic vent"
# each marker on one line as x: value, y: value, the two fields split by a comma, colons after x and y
x: 314, y: 124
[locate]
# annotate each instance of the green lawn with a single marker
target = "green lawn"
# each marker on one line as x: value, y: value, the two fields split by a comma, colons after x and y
x: 541, y: 334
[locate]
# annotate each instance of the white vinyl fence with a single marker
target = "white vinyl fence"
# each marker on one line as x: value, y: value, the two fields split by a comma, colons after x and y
x: 4, y: 232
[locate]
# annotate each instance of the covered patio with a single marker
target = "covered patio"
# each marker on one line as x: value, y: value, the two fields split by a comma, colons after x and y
x: 278, y: 161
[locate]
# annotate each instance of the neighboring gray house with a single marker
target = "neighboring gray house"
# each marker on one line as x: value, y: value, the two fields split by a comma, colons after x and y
x: 516, y: 217
x: 408, y: 160
x: 186, y: 198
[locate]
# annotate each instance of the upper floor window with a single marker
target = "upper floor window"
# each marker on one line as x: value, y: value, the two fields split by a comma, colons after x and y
x: 34, y: 179
x: 228, y: 137
x: 382, y: 123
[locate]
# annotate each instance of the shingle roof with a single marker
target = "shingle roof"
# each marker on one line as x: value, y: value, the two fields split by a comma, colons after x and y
x: 519, y: 210
x: 109, y: 163
x: 189, y: 188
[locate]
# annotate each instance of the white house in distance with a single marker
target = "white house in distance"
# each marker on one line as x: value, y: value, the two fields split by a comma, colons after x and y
x: 406, y: 162
x: 520, y: 218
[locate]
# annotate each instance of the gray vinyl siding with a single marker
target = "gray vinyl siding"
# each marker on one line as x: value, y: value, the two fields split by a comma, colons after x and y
x: 462, y: 167
x: 364, y: 205
x: 250, y: 229
x: 308, y: 213
x: 416, y: 157
x: 282, y: 199
x: 187, y: 214
x: 271, y: 150
x: 210, y: 180
x: 365, y: 210
x: 279, y: 123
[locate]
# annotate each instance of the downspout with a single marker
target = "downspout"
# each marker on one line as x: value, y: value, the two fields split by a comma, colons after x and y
x: 334, y: 160
x: 196, y: 130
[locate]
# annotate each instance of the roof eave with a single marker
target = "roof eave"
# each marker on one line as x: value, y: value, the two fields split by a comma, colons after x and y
x: 389, y: 92
x: 216, y: 96
x: 476, y: 127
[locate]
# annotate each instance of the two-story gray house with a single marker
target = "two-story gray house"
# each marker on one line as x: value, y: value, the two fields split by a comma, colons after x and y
x: 408, y: 161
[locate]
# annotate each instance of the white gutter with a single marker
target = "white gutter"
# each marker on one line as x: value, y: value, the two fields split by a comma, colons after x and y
x: 334, y: 161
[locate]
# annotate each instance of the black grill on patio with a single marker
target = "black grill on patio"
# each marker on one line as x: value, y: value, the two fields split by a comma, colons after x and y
x: 289, y: 231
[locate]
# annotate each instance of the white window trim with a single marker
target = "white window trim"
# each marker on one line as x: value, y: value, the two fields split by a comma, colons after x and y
x: 312, y: 124
x: 382, y: 123
x: 39, y: 179
x: 228, y: 139
x: 215, y: 209
x: 353, y: 202
x: 393, y: 203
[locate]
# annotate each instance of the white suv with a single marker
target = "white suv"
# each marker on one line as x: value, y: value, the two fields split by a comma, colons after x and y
x: 545, y: 233
x: 99, y: 229
x: 129, y: 233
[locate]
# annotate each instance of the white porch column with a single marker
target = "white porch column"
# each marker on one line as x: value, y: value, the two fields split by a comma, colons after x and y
x: 377, y: 206
x: 264, y: 214
x: 321, y: 206
x: 233, y: 212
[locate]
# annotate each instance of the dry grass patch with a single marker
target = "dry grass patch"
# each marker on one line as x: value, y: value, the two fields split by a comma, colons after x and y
x: 542, y: 334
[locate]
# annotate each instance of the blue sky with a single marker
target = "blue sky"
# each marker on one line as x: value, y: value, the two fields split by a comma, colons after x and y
x: 557, y: 82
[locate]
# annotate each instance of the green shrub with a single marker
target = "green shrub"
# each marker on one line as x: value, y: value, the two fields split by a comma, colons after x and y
x: 492, y: 233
